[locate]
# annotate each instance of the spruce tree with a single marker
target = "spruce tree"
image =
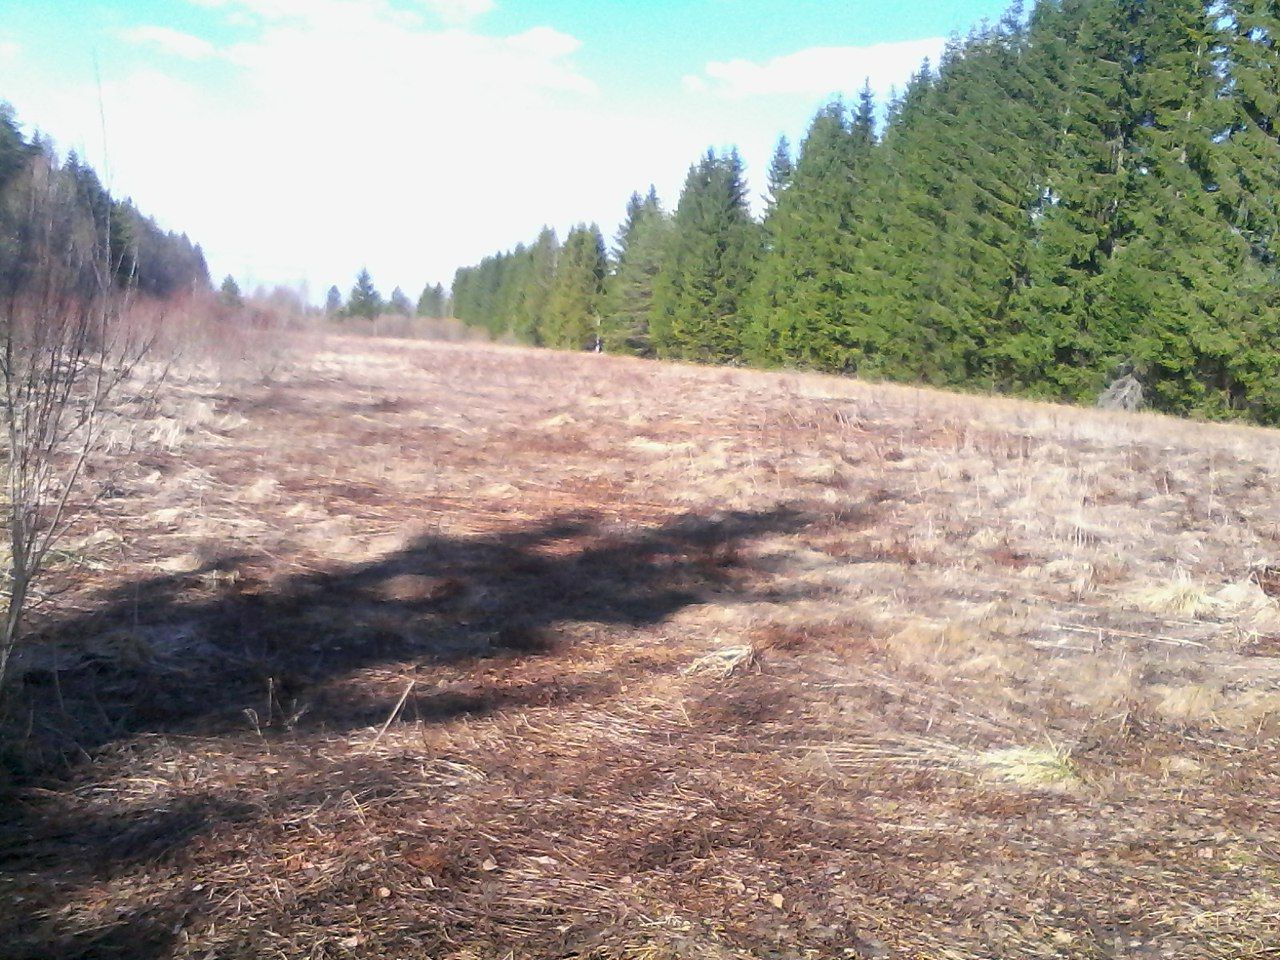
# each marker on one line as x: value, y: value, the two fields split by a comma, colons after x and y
x: 364, y: 301
x: 431, y: 303
x: 333, y: 302
x: 801, y: 304
x: 400, y: 304
x: 709, y: 264
x: 573, y: 313
x: 529, y: 320
x: 781, y: 168
x: 630, y: 222
x: 629, y: 301
x: 460, y: 294
x: 229, y: 292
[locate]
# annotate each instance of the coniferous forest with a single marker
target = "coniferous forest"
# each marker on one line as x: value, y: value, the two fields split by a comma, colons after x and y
x: 145, y: 257
x: 1085, y: 187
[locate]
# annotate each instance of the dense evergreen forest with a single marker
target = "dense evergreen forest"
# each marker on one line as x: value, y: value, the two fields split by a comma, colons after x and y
x: 156, y: 262
x: 1090, y: 186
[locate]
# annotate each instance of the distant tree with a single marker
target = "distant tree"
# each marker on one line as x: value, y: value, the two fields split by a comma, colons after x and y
x: 511, y: 283
x: 333, y: 302
x: 709, y: 264
x: 781, y: 168
x: 803, y: 307
x: 573, y: 319
x: 863, y: 123
x: 364, y: 301
x: 400, y: 303
x: 460, y: 294
x: 230, y: 292
x: 641, y: 246
x: 484, y: 294
x: 161, y: 262
x: 630, y: 222
x: 529, y: 317
x: 432, y: 301
x: 15, y: 152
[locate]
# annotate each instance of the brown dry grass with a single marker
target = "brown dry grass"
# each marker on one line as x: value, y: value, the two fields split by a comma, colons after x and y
x: 452, y: 651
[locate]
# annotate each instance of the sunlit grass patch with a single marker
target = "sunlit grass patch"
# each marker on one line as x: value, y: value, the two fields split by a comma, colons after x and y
x: 1031, y: 766
x: 1181, y: 597
x: 724, y: 663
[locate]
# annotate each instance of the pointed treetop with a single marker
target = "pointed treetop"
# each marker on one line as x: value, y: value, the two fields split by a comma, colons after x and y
x: 230, y: 292
x: 365, y: 301
x: 781, y: 169
x: 864, y: 115
x: 400, y: 303
x: 333, y: 301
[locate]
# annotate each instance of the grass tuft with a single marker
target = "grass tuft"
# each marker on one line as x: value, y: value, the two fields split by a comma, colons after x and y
x: 1032, y: 766
x: 724, y: 663
x: 1182, y: 597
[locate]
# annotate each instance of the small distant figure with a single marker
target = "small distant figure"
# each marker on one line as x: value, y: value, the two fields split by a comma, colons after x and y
x: 1125, y: 392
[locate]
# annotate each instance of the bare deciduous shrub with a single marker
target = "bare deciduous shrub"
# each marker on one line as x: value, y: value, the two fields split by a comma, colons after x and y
x: 65, y: 355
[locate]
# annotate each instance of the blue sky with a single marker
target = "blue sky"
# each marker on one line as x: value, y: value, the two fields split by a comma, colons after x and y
x: 301, y: 139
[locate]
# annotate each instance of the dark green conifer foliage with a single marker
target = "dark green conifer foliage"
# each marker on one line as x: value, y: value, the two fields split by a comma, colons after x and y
x: 478, y: 294
x: 333, y: 302
x: 460, y: 294
x: 1091, y: 186
x: 573, y: 318
x: 169, y: 264
x: 640, y: 248
x: 802, y: 303
x: 545, y: 257
x: 946, y: 237
x: 709, y: 265
x: 781, y: 168
x: 630, y: 222
x: 400, y: 304
x: 15, y: 152
x: 230, y: 292
x: 431, y: 303
x: 364, y: 301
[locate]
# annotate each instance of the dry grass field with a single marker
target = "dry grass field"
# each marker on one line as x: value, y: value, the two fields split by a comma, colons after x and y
x: 469, y: 653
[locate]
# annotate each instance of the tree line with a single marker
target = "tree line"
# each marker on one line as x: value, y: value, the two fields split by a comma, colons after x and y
x: 365, y: 301
x: 1090, y: 186
x: 144, y: 256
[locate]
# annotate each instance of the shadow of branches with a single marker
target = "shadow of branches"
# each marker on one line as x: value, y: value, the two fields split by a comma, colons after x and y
x: 199, y: 662
x: 271, y: 655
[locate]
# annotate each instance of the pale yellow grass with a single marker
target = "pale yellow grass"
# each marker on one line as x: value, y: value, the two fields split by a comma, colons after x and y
x: 998, y: 632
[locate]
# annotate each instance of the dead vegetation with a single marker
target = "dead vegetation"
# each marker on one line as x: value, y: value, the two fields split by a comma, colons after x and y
x: 450, y: 651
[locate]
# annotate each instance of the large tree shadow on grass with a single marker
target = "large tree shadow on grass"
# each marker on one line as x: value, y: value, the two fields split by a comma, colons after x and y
x: 182, y: 660
x: 227, y: 650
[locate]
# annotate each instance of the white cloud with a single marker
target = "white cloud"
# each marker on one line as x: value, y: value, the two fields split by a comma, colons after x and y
x: 818, y: 71
x: 545, y: 42
x: 338, y: 133
x: 458, y: 11
x: 343, y: 132
x: 696, y: 84
x: 10, y: 50
x: 173, y: 42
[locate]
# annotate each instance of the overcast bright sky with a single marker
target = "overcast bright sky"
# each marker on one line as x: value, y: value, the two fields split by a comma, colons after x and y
x: 300, y: 139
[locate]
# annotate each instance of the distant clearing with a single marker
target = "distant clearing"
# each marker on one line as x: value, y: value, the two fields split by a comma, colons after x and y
x: 470, y: 652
